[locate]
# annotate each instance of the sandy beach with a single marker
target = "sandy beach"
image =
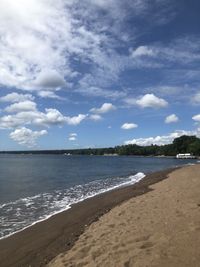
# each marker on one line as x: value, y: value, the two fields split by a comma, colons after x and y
x: 40, y: 243
x: 159, y: 228
x: 155, y: 222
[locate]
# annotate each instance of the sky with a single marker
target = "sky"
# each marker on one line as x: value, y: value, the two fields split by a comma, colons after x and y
x: 98, y: 73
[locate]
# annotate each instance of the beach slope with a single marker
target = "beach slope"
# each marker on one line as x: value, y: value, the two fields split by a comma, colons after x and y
x: 159, y: 228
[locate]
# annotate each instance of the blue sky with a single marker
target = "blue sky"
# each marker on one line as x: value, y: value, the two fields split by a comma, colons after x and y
x: 98, y: 73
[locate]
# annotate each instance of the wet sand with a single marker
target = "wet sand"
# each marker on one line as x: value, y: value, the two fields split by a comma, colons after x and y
x: 159, y: 228
x: 38, y: 245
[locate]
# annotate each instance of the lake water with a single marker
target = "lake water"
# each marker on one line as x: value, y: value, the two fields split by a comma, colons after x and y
x: 34, y: 187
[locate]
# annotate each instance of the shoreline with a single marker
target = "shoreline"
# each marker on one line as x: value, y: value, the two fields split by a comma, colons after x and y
x: 40, y: 243
x: 138, y: 176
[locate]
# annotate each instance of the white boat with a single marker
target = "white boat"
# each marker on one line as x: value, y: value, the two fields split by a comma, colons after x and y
x: 185, y: 156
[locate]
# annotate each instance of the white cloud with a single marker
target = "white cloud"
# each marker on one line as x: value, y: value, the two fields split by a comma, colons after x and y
x: 76, y: 119
x: 51, y: 117
x: 31, y: 26
x: 48, y: 118
x: 72, y: 137
x: 21, y: 106
x: 61, y: 32
x: 63, y: 35
x: 106, y: 107
x: 54, y: 117
x: 48, y: 94
x: 73, y: 134
x: 171, y: 118
x: 161, y: 140
x: 15, y: 97
x: 58, y: 32
x: 129, y: 126
x: 95, y: 117
x: 196, y: 118
x: 27, y: 137
x: 55, y: 31
x: 49, y: 79
x: 151, y: 101
x: 142, y: 51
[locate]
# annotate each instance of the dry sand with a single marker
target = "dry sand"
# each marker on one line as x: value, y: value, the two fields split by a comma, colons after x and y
x: 159, y: 228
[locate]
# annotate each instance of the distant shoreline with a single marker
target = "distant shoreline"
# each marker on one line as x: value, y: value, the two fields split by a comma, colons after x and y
x: 181, y: 145
x: 107, y: 155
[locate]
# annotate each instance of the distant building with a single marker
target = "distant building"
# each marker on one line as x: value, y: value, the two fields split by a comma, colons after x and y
x: 185, y: 156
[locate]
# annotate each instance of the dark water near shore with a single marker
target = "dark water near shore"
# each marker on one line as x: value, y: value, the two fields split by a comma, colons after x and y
x: 33, y: 187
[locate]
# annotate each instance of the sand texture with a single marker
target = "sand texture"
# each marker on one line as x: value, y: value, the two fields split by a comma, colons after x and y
x: 159, y: 228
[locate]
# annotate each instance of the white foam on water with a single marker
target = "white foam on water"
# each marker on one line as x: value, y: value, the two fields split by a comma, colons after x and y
x: 17, y: 212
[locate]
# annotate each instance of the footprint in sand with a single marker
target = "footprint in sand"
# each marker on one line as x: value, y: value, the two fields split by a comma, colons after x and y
x: 147, y: 245
x: 142, y: 238
x: 127, y: 264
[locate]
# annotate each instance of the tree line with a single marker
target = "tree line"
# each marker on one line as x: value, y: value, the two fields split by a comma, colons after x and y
x: 183, y: 144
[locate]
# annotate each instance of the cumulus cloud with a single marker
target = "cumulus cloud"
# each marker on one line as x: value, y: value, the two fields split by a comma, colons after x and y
x: 51, y: 117
x: 161, y: 140
x: 129, y: 126
x: 48, y: 94
x: 49, y: 79
x: 95, y: 117
x: 48, y: 118
x: 196, y: 118
x: 15, y: 97
x: 54, y: 32
x: 72, y: 137
x: 171, y: 118
x: 73, y: 134
x: 151, y: 101
x: 21, y: 106
x: 27, y: 137
x: 54, y: 117
x: 142, y: 51
x: 27, y: 27
x: 106, y: 107
x: 76, y: 119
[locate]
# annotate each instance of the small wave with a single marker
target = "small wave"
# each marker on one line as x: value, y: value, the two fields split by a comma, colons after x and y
x: 25, y: 212
x: 189, y: 164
